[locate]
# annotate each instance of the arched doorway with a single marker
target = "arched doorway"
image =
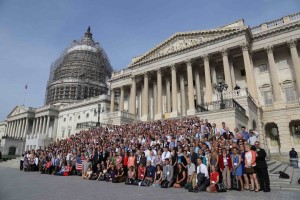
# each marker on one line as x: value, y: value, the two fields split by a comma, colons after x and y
x: 12, y: 151
x: 272, y: 134
x: 295, y: 131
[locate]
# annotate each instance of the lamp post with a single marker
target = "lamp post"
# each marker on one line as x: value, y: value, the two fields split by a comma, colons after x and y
x: 99, y: 111
x: 220, y: 87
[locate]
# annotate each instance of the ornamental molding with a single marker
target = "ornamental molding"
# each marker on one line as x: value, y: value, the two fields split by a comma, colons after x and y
x: 269, y: 49
x: 224, y: 52
x: 274, y: 31
x: 292, y: 43
x: 181, y: 42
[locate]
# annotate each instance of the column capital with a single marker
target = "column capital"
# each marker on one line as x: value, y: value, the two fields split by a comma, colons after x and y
x: 205, y: 57
x: 173, y: 66
x: 158, y: 71
x: 269, y: 49
x: 189, y: 62
x: 245, y: 46
x: 224, y: 52
x: 146, y: 74
x: 292, y: 43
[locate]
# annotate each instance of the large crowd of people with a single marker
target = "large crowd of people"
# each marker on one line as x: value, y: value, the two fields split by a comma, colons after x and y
x: 188, y: 153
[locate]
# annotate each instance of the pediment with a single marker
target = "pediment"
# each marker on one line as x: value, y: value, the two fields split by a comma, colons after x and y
x: 183, y: 41
x: 17, y: 110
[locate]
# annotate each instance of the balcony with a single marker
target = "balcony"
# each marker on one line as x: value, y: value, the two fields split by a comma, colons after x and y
x: 231, y: 94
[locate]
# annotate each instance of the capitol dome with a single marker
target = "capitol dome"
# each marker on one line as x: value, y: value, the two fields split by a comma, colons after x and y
x: 81, y: 72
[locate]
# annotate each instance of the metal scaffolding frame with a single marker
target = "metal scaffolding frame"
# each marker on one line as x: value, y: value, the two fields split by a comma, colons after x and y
x: 80, y: 72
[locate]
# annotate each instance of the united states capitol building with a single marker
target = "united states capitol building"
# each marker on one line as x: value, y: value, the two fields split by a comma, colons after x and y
x: 259, y: 65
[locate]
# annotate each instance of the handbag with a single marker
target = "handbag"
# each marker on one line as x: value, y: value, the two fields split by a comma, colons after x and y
x: 249, y: 170
x: 220, y: 187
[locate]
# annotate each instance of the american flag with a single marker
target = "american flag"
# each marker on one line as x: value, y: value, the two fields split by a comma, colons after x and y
x: 79, y: 163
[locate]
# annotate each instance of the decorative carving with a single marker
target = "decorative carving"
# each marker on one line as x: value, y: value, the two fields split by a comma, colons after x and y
x: 224, y: 52
x: 189, y: 62
x: 133, y: 78
x: 205, y: 57
x: 269, y: 49
x: 244, y: 46
x: 158, y: 71
x: 292, y: 43
x: 173, y: 67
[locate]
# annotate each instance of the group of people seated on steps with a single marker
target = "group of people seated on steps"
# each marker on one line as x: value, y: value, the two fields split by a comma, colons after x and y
x: 186, y: 153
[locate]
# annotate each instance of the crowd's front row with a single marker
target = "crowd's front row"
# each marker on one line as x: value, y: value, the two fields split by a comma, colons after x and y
x: 228, y: 170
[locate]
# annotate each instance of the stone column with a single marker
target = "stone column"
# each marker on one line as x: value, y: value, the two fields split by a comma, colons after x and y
x: 44, y: 125
x: 48, y: 125
x: 213, y: 73
x: 14, y: 128
x: 198, y: 87
x: 296, y: 63
x: 133, y: 96
x: 273, y: 75
x: 159, y: 95
x: 191, y: 110
x: 112, y: 100
x: 145, y: 102
x: 25, y: 129
x: 33, y: 126
x: 208, y: 85
x: 232, y: 72
x: 121, y: 103
x: 8, y: 128
x: 174, y: 92
x: 154, y: 99
x: 39, y: 125
x: 168, y: 95
x: 183, y: 97
x: 251, y: 83
x: 18, y: 128
x: 227, y: 73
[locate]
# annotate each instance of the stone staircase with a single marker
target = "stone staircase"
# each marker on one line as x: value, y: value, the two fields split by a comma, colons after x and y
x: 13, y: 163
x: 283, y: 184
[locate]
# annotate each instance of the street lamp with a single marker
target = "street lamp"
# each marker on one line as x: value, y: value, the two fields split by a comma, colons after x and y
x: 98, y: 111
x: 220, y: 87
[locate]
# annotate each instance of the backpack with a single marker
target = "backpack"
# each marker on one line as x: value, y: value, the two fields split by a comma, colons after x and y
x: 283, y: 175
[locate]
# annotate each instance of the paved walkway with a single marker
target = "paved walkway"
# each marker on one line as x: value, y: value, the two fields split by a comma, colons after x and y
x: 16, y: 185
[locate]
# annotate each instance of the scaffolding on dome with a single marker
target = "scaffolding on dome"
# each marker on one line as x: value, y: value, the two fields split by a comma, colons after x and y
x: 80, y: 72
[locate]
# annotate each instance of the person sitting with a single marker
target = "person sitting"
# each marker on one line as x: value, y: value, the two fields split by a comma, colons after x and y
x: 214, y: 179
x: 26, y: 165
x: 130, y: 176
x: 141, y: 172
x: 112, y: 173
x: 119, y: 178
x: 167, y: 178
x: 149, y: 174
x: 202, y: 176
x: 157, y: 177
x: 62, y: 170
x: 181, y: 177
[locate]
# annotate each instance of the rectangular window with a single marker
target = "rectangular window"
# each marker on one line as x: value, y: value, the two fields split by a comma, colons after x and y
x: 282, y: 64
x: 268, y: 98
x: 243, y: 72
x: 289, y: 94
x: 63, y: 133
x: 69, y: 132
x: 262, y: 68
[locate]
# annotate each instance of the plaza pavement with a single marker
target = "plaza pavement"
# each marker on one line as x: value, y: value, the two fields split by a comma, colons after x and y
x: 17, y: 185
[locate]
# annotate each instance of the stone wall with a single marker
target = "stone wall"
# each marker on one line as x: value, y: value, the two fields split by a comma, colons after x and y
x: 7, y: 143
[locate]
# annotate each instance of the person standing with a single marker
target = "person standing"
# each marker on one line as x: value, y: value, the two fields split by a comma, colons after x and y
x: 293, y: 153
x: 261, y: 168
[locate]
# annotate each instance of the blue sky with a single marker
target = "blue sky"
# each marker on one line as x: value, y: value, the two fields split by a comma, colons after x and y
x: 33, y: 33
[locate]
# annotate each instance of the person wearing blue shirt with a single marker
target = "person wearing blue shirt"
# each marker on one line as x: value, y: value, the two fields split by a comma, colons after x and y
x: 246, y: 135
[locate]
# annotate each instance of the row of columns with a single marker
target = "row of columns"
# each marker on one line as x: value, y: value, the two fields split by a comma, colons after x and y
x: 276, y: 89
x: 171, y: 96
x: 18, y: 128
x: 41, y: 125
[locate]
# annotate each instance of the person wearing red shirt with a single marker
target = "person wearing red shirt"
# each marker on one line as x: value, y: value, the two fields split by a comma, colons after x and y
x: 214, y: 179
x: 141, y: 172
x: 125, y: 162
x: 225, y: 166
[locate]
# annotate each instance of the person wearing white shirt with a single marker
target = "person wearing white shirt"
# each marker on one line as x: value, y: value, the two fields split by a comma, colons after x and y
x: 253, y: 137
x: 152, y: 158
x: 202, y: 175
x: 165, y: 154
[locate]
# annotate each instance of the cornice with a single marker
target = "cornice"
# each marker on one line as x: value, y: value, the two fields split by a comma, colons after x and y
x: 276, y: 30
x: 231, y: 34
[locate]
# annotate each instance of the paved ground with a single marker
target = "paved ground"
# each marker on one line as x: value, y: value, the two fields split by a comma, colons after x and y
x: 16, y: 185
